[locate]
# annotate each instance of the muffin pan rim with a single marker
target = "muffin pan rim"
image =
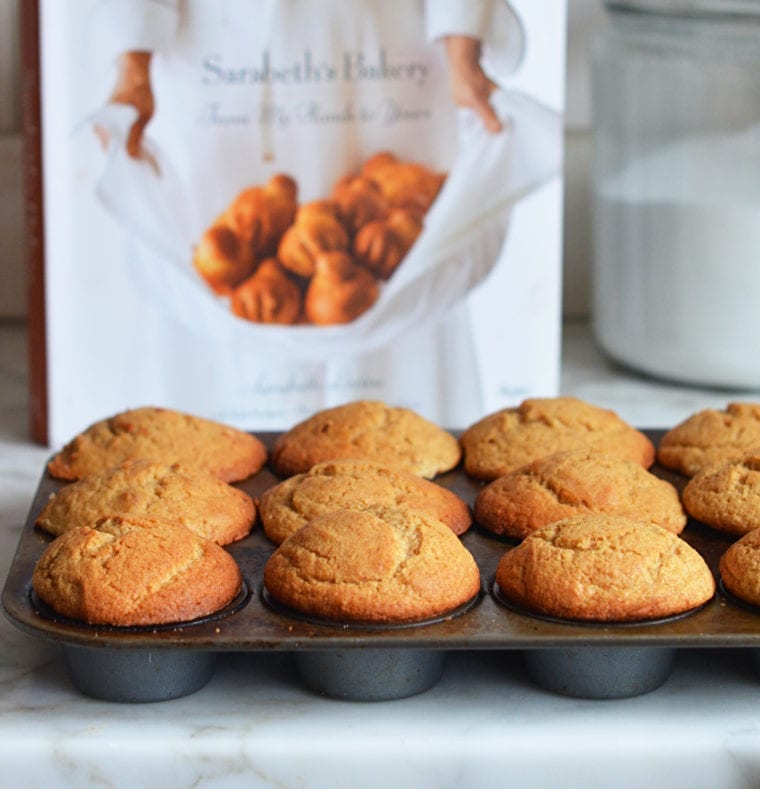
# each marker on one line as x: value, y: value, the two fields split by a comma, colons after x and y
x: 488, y: 625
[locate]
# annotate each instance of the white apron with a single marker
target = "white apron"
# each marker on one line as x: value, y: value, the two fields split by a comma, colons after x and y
x: 311, y: 88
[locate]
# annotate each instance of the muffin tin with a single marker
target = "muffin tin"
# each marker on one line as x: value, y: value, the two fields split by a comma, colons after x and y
x: 370, y: 662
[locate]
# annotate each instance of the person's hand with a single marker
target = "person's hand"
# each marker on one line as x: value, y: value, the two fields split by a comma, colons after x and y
x: 133, y: 87
x: 470, y: 87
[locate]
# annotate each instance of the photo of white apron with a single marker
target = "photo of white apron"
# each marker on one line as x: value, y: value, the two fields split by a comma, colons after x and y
x: 246, y: 90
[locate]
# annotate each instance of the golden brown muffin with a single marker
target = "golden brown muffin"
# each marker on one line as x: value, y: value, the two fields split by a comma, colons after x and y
x: 131, y: 571
x: 268, y: 296
x: 340, y: 291
x: 710, y: 436
x: 307, y: 239
x: 385, y: 565
x: 513, y: 437
x: 355, y: 484
x: 371, y: 430
x: 726, y: 495
x: 574, y: 483
x: 359, y: 201
x: 222, y: 259
x: 165, y: 436
x: 260, y: 215
x: 143, y: 489
x: 740, y: 568
x: 403, y: 184
x: 605, y: 568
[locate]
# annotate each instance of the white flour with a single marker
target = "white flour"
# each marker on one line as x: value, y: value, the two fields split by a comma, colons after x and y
x: 677, y: 261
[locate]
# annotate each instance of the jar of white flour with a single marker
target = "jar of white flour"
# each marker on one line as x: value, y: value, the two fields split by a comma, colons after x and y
x: 676, y: 187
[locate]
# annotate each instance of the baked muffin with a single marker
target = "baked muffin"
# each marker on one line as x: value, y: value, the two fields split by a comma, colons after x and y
x: 576, y: 482
x: 605, y: 568
x: 355, y: 484
x: 513, y: 437
x: 740, y: 568
x: 368, y: 429
x: 165, y: 436
x: 382, y: 565
x: 131, y: 571
x: 141, y: 488
x: 726, y: 495
x: 710, y: 436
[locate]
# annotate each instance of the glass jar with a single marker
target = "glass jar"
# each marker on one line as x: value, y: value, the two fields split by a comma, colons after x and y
x: 676, y: 189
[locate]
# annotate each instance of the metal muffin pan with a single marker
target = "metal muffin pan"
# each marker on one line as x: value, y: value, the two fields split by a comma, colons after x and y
x: 598, y: 672
x: 366, y: 662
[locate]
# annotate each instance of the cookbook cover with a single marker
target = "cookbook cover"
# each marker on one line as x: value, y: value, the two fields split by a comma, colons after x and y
x: 251, y: 211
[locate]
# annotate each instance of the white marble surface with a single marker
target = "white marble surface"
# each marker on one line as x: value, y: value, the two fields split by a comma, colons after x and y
x: 484, y: 725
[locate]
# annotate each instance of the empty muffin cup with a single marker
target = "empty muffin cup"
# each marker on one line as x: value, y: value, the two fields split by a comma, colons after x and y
x: 138, y: 675
x: 370, y: 674
x: 591, y: 672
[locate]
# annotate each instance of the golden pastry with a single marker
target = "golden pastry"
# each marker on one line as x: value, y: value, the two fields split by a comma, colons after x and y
x: 268, y: 296
x: 303, y: 242
x: 316, y: 209
x: 340, y: 290
x: 403, y: 184
x: 261, y: 214
x: 222, y: 259
x: 359, y: 202
x: 383, y: 244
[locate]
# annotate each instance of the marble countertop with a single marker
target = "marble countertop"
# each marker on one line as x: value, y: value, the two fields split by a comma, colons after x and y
x: 484, y: 724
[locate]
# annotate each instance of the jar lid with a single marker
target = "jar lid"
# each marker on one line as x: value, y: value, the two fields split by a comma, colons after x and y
x: 689, y: 8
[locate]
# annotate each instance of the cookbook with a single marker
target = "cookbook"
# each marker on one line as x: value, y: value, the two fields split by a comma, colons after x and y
x: 253, y: 216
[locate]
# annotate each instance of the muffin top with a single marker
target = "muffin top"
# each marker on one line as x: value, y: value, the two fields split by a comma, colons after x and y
x: 355, y: 484
x: 132, y: 571
x: 726, y: 495
x: 740, y: 568
x: 572, y: 483
x: 142, y: 488
x: 710, y: 436
x: 165, y: 436
x: 386, y: 565
x: 604, y: 568
x: 371, y: 430
x: 513, y: 437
